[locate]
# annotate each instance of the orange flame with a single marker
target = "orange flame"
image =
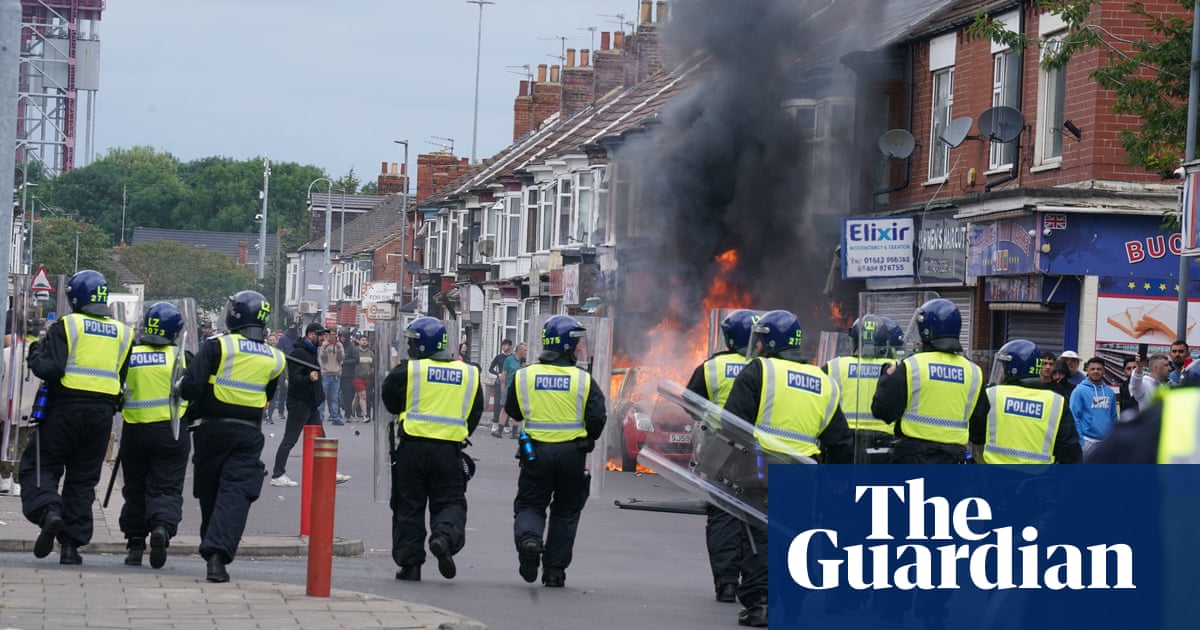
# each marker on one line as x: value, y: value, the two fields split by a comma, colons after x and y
x: 840, y: 316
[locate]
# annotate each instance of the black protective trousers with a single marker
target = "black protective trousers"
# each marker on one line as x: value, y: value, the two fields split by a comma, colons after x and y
x: 727, y: 542
x: 557, y: 480
x: 154, y: 464
x: 73, y: 441
x: 427, y: 473
x: 227, y: 478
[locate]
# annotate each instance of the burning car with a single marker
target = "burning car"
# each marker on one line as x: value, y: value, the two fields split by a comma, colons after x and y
x: 645, y: 421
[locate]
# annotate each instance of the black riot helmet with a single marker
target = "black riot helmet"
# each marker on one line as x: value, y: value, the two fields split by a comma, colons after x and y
x: 247, y: 312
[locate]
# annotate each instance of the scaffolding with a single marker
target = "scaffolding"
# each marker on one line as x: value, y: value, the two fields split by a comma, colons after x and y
x: 60, y: 60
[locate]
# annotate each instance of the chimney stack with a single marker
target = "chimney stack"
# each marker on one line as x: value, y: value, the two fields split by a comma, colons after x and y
x: 546, y: 96
x: 661, y: 12
x: 583, y: 58
x: 389, y: 182
x: 383, y: 168
x: 604, y: 36
x: 618, y: 40
x: 646, y: 5
x: 522, y: 111
x: 554, y: 73
x: 436, y: 170
x: 570, y: 58
x: 541, y: 73
x: 578, y: 84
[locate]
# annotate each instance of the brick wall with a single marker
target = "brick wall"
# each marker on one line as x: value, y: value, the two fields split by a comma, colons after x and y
x: 1097, y: 156
x: 609, y: 66
x: 435, y: 170
x: 390, y: 182
x: 578, y: 83
x: 547, y: 95
x: 522, y: 111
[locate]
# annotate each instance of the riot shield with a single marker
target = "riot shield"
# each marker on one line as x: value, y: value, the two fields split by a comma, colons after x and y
x: 389, y: 346
x: 19, y: 385
x: 701, y: 488
x: 188, y: 342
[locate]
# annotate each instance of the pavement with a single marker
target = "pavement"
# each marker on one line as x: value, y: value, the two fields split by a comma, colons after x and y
x: 55, y: 596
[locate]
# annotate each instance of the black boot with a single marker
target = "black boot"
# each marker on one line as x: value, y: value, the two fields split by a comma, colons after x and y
x: 52, y: 525
x: 440, y: 548
x: 216, y: 569
x: 158, y: 547
x: 135, y: 546
x: 411, y: 573
x: 727, y: 592
x: 753, y: 616
x: 529, y: 555
x: 554, y: 578
x: 69, y: 554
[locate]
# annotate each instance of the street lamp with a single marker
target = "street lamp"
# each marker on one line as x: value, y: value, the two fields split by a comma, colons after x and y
x: 404, y: 214
x: 325, y: 272
x: 262, y: 230
x: 478, y: 48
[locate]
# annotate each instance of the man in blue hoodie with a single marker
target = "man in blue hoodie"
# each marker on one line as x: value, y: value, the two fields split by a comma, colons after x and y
x: 1094, y: 406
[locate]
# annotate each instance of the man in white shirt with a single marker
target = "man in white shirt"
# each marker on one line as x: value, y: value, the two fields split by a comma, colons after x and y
x: 1143, y: 384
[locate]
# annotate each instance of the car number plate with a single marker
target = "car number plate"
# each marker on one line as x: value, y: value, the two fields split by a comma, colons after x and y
x: 680, y: 438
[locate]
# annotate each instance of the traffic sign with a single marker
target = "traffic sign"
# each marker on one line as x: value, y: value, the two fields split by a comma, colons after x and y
x: 41, y: 295
x: 41, y: 280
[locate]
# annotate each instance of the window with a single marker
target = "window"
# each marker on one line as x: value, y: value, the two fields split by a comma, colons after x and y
x: 943, y: 102
x: 584, y: 216
x: 546, y: 218
x: 506, y: 322
x: 511, y: 227
x: 1006, y: 70
x: 433, y: 250
x: 563, y: 214
x: 1052, y: 88
x: 491, y: 228
x: 603, y: 228
x: 532, y: 209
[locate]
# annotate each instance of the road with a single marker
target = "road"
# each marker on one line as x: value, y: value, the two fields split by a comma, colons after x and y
x: 632, y: 569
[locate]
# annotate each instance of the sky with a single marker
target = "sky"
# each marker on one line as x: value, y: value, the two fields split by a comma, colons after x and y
x: 329, y: 83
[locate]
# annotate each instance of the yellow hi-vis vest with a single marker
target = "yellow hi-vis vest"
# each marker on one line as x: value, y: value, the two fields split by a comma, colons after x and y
x: 96, y: 349
x: 245, y: 369
x: 552, y: 399
x: 719, y: 374
x: 857, y: 380
x: 943, y: 389
x: 795, y: 405
x: 1179, y: 439
x: 148, y: 384
x: 439, y: 398
x: 1022, y: 425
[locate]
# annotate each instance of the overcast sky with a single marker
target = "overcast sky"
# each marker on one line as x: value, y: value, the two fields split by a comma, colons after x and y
x: 324, y: 82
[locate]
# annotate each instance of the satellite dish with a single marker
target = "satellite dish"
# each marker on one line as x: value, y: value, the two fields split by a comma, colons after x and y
x: 897, y: 143
x: 1001, y: 124
x: 412, y: 267
x: 956, y: 131
x: 487, y: 246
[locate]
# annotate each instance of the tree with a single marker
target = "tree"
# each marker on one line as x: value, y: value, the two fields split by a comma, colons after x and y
x: 1148, y: 76
x: 171, y: 269
x: 54, y: 245
x: 348, y: 182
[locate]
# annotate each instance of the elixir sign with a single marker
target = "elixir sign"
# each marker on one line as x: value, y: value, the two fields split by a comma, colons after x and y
x: 879, y: 247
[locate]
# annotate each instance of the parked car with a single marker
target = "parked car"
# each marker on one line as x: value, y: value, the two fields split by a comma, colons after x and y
x: 646, y: 420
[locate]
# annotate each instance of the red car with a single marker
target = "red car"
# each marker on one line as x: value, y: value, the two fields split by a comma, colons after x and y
x: 659, y: 424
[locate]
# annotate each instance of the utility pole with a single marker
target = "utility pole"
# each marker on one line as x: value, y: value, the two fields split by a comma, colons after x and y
x: 478, y: 49
x: 1189, y: 154
x: 403, y: 218
x: 124, y: 190
x: 262, y: 230
x: 10, y: 46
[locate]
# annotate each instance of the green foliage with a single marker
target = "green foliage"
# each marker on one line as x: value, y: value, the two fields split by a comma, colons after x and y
x: 1149, y: 77
x: 206, y: 275
x: 54, y: 241
x: 348, y: 183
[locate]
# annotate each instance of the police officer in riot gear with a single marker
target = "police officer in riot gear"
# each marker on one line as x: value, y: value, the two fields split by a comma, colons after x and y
x: 1167, y: 432
x: 438, y: 401
x: 549, y: 396
x: 874, y: 341
x: 1026, y: 423
x: 931, y: 396
x: 153, y: 460
x: 228, y: 384
x: 83, y: 361
x: 795, y: 409
x: 725, y: 536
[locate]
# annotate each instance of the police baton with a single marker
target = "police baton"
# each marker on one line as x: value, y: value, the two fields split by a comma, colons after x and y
x: 112, y: 479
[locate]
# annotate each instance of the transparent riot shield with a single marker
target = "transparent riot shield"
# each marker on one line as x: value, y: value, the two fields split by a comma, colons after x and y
x: 187, y: 341
x: 19, y: 385
x: 390, y: 347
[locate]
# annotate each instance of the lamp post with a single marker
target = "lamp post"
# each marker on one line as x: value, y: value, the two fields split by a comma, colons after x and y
x: 342, y: 226
x: 404, y: 216
x: 262, y: 230
x: 478, y: 48
x: 76, y: 251
x: 325, y: 271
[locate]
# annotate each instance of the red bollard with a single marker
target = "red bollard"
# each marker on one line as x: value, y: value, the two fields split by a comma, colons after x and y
x: 320, y: 543
x: 311, y: 432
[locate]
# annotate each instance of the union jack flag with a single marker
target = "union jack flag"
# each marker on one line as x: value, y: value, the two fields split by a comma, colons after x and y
x: 1054, y: 221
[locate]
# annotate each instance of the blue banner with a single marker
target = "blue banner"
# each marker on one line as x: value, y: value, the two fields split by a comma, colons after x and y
x: 1110, y: 245
x: 984, y: 547
x: 1002, y: 248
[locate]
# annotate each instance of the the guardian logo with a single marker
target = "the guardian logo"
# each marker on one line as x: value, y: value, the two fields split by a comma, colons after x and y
x: 552, y: 383
x: 871, y: 232
x: 973, y: 554
x: 806, y: 382
x: 864, y: 370
x: 253, y: 347
x: 733, y: 369
x: 1023, y: 407
x: 948, y: 373
x: 104, y: 329
x: 450, y: 376
x: 139, y: 359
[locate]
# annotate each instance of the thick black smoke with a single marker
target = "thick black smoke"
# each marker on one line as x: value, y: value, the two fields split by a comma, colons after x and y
x: 728, y: 168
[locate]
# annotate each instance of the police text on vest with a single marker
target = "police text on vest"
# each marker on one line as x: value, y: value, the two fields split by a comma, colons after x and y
x: 450, y: 376
x: 947, y: 373
x: 138, y: 359
x: 1024, y: 407
x: 864, y: 370
x: 733, y: 369
x: 104, y: 329
x: 986, y: 557
x: 806, y: 382
x: 552, y: 383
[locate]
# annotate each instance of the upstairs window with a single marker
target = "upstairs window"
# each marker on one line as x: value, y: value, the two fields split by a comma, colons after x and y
x: 1052, y: 93
x: 941, y: 64
x: 1006, y: 72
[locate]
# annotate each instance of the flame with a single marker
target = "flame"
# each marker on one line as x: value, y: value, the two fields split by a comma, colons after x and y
x: 841, y: 317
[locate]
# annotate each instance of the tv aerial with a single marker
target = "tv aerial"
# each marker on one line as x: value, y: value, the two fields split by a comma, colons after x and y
x: 1001, y: 124
x: 445, y: 146
x: 956, y: 131
x: 897, y: 143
